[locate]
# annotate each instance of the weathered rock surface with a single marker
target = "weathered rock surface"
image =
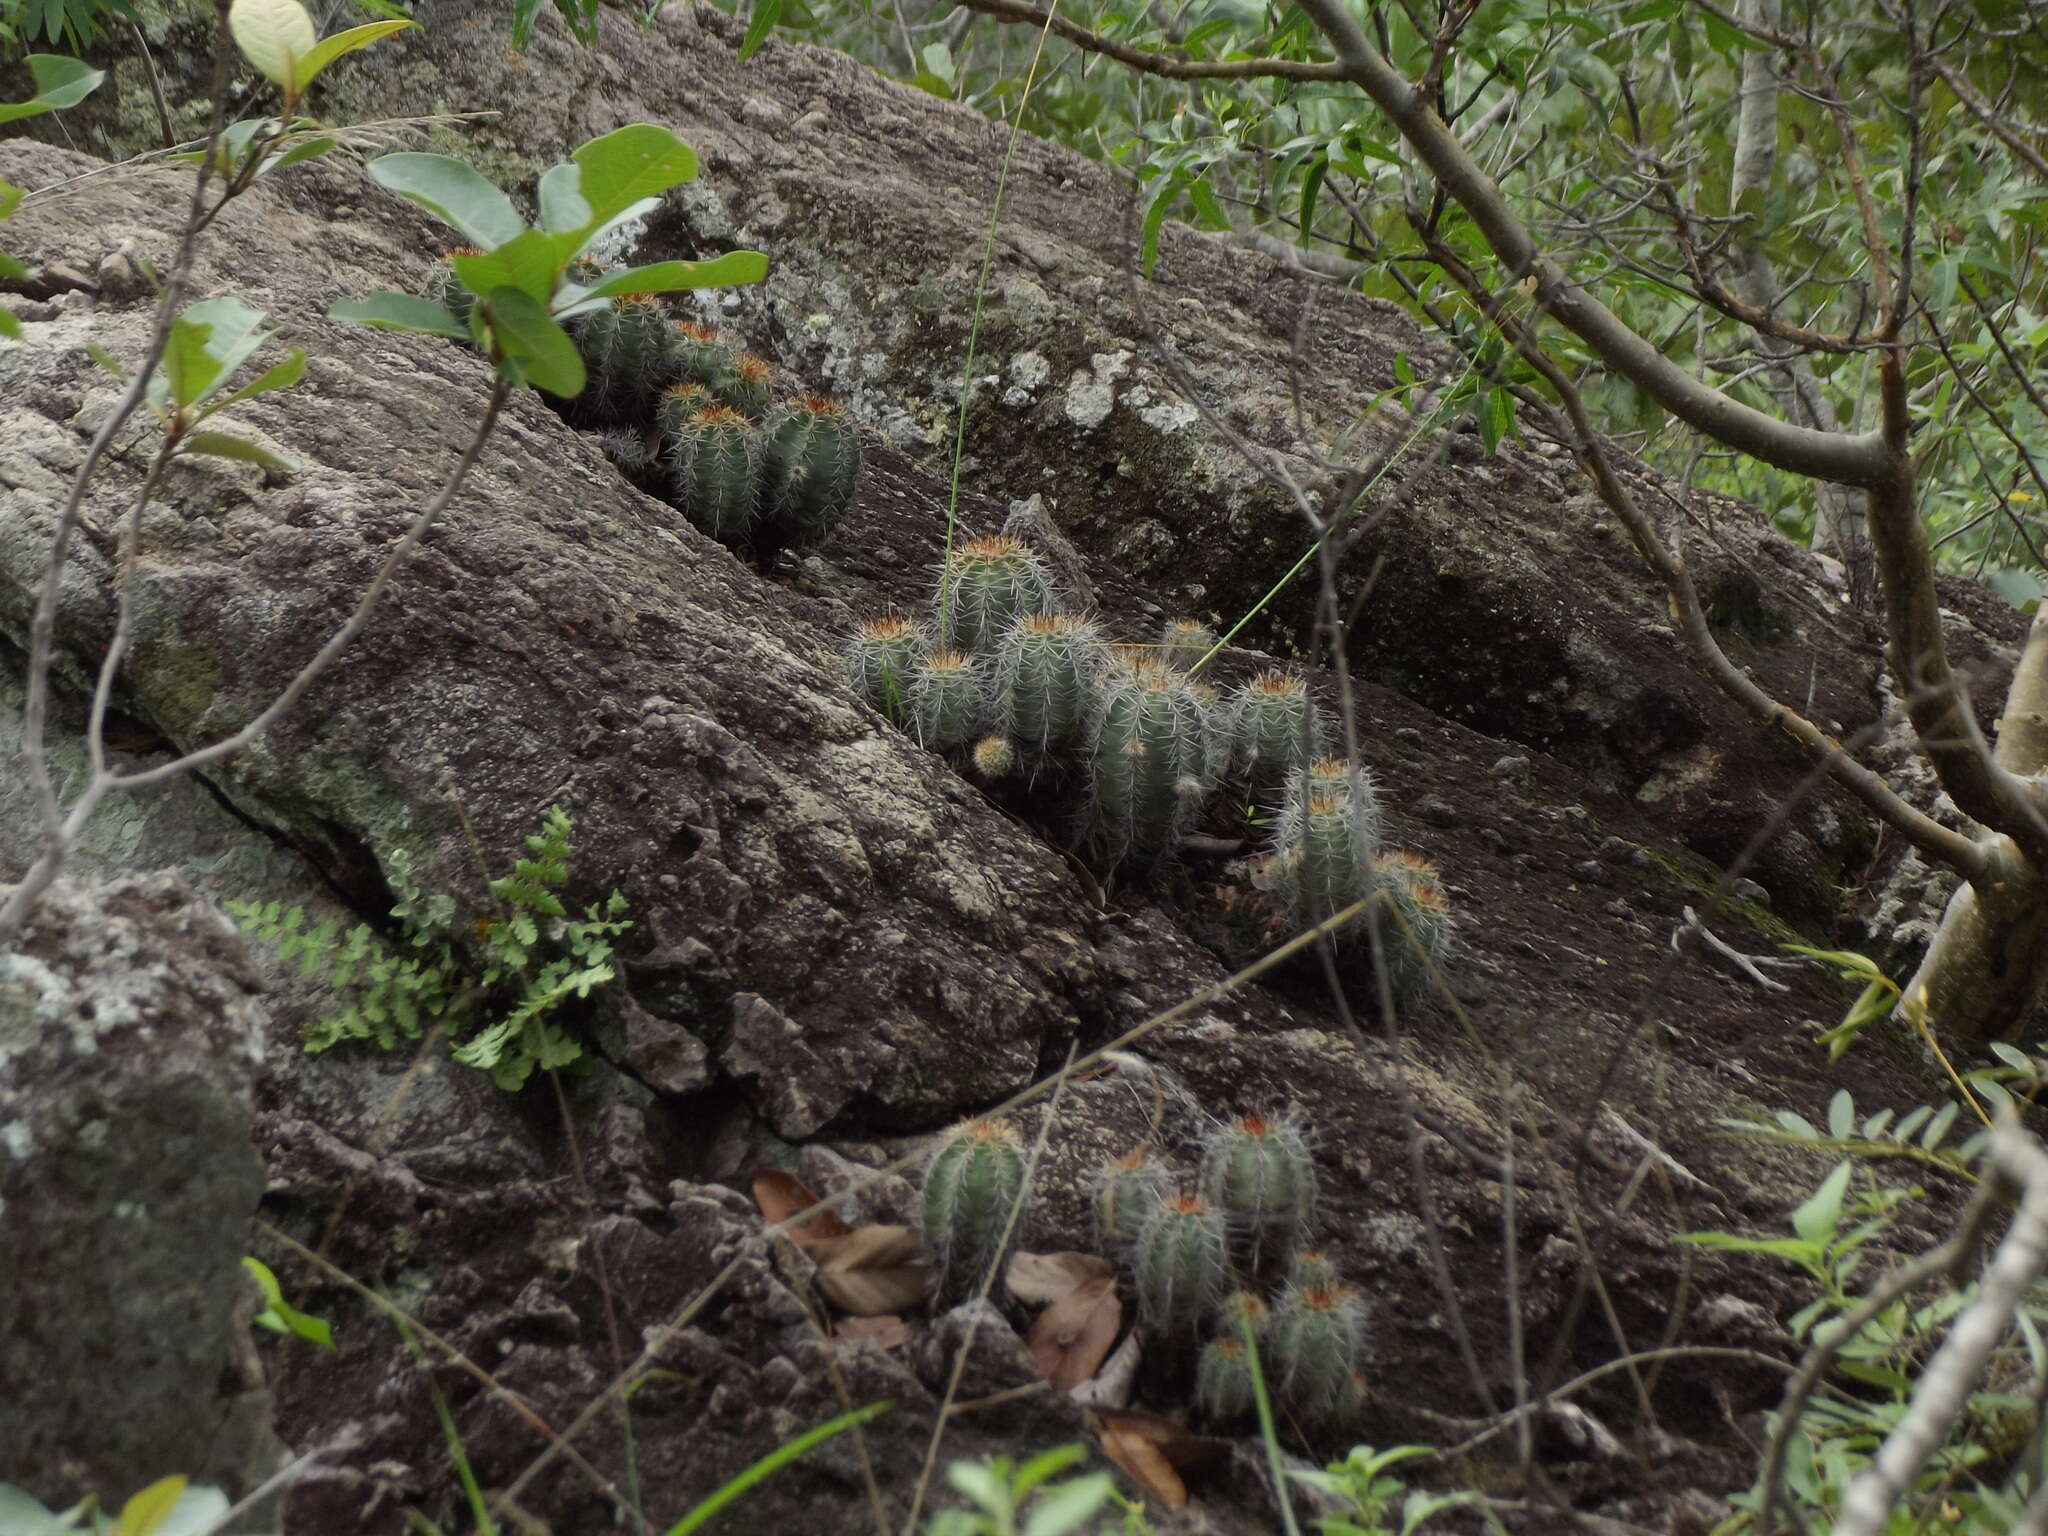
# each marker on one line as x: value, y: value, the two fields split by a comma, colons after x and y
x: 836, y: 936
x: 130, y: 1033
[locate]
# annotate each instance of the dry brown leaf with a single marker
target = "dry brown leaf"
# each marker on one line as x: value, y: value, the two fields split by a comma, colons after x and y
x: 1072, y: 1336
x: 1110, y: 1386
x: 1144, y: 1461
x: 1040, y: 1279
x: 1181, y: 1446
x: 888, y: 1330
x: 781, y: 1195
x: 871, y: 1271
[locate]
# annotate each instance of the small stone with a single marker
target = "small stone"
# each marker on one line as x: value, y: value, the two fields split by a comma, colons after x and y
x: 1751, y: 892
x: 1408, y: 736
x: 1511, y: 767
x: 1438, y: 812
x: 1590, y: 870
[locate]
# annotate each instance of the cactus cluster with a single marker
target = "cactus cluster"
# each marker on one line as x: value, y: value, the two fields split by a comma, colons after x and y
x: 972, y: 1183
x: 696, y: 421
x: 1198, y: 1261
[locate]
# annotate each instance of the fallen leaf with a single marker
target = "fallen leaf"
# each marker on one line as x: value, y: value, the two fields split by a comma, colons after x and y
x: 1181, y: 1446
x: 1145, y: 1462
x: 1072, y: 1336
x: 888, y: 1330
x: 1110, y: 1387
x: 1040, y: 1279
x: 871, y: 1272
x: 781, y: 1195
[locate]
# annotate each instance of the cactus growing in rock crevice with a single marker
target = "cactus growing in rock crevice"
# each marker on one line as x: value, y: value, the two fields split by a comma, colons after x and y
x: 1046, y: 672
x: 747, y: 384
x: 811, y: 463
x: 971, y: 1185
x: 1326, y: 839
x: 625, y: 346
x: 1314, y: 1345
x: 995, y: 757
x: 881, y: 663
x: 1223, y: 1381
x: 1183, y: 643
x: 1128, y: 1192
x: 715, y: 471
x: 696, y: 353
x: 1150, y: 757
x: 985, y: 586
x: 448, y: 290
x: 1258, y: 1172
x: 1275, y: 728
x: 1182, y: 1263
x: 947, y: 699
x: 1415, y: 929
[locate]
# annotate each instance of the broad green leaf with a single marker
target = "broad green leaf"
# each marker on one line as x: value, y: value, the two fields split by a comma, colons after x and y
x: 628, y: 164
x: 225, y: 445
x: 1062, y: 1510
x: 979, y: 1484
x: 1818, y: 1217
x: 1778, y: 1247
x: 1841, y: 1114
x: 538, y: 348
x: 275, y: 36
x: 398, y: 312
x: 1046, y: 1464
x: 729, y: 270
x: 147, y: 1510
x: 452, y: 192
x: 10, y: 197
x: 208, y: 342
x: 9, y: 326
x: 281, y: 376
x: 328, y: 49
x: 1938, y: 1128
x: 305, y: 149
x: 279, y: 1315
x: 766, y: 14
x: 60, y: 82
x: 562, y: 205
x: 531, y: 262
x: 21, y: 1515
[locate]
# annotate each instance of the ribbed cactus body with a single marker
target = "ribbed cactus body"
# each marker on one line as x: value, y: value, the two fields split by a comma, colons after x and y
x: 1151, y: 757
x: 1417, y: 925
x: 747, y: 384
x: 1258, y: 1172
x: 447, y: 290
x: 1184, y: 642
x: 1047, y: 666
x: 1182, y: 1263
x: 1314, y: 1345
x: 715, y: 471
x: 1128, y: 1193
x: 1223, y: 1381
x: 811, y: 468
x: 881, y: 663
x: 995, y: 757
x: 970, y: 1186
x: 1275, y: 728
x: 677, y: 407
x: 625, y: 351
x: 696, y: 353
x: 1326, y: 839
x: 947, y: 699
x: 1308, y: 1268
x: 985, y: 586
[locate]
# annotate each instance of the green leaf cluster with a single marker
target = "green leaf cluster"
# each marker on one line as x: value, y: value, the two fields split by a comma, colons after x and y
x: 1009, y: 1500
x: 520, y: 273
x: 60, y: 82
x: 1362, y: 1481
x: 498, y: 998
x: 167, y: 1507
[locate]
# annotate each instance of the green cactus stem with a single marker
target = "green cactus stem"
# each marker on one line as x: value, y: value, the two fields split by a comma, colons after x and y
x: 1325, y: 840
x: 697, y: 353
x: 747, y: 384
x: 714, y: 470
x: 970, y: 1186
x: 680, y: 403
x: 995, y: 757
x: 1150, y: 745
x: 1416, y: 927
x: 947, y: 701
x: 1223, y: 1381
x: 1315, y: 1343
x: 881, y: 663
x: 1182, y: 1264
x: 625, y: 351
x: 811, y: 468
x: 1128, y: 1192
x: 1047, y: 666
x: 985, y: 586
x: 1275, y: 728
x: 1183, y: 643
x: 1308, y: 1268
x: 1258, y: 1172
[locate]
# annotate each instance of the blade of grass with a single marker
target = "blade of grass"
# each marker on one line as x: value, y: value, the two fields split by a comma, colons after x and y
x: 1267, y: 1433
x: 772, y: 1463
x: 475, y: 1495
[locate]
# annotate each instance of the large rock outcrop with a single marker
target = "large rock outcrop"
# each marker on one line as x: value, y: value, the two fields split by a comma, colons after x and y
x: 838, y: 939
